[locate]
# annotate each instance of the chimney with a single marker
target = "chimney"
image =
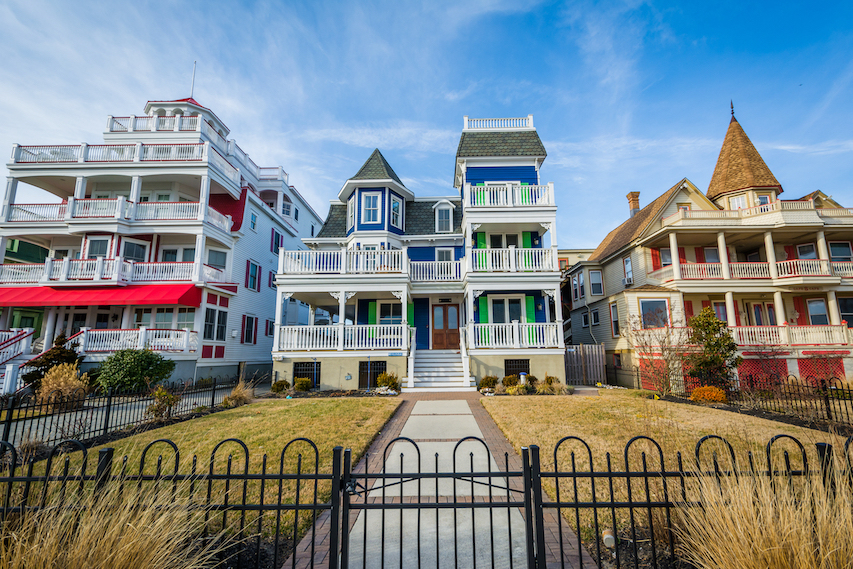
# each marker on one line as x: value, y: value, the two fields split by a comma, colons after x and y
x: 633, y: 202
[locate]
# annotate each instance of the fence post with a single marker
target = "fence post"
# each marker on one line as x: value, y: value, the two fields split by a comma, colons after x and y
x: 7, y: 423
x: 335, y: 510
x: 106, y: 427
x: 824, y: 454
x: 104, y: 469
x: 346, y: 483
x: 536, y: 480
x: 528, y: 508
x: 213, y: 394
x: 827, y: 404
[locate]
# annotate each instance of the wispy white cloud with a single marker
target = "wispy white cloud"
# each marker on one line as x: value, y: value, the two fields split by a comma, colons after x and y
x: 820, y: 148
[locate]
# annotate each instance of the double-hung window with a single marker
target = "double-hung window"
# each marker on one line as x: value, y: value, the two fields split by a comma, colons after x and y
x: 442, y: 220
x: 390, y: 313
x: 396, y: 212
x: 737, y: 202
x: 186, y: 318
x: 351, y: 212
x: 253, y: 221
x: 807, y: 251
x: 209, y: 324
x: 595, y: 285
x: 629, y: 272
x: 665, y: 257
x: 614, y: 320
x: 712, y: 255
x: 817, y: 311
x: 135, y: 251
x: 250, y: 324
x: 221, y: 324
x: 252, y: 275
x: 580, y: 285
x: 575, y: 287
x: 840, y: 251
x: 370, y: 207
x: 98, y: 247
x: 595, y: 317
x: 216, y: 259
x: 654, y: 312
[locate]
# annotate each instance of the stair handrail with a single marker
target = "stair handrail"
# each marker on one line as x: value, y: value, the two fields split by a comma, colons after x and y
x: 412, y: 349
x: 14, y: 340
x: 466, y: 360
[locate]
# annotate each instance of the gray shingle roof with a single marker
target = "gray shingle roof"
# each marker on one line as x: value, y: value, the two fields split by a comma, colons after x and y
x: 420, y: 219
x: 498, y: 143
x: 377, y: 168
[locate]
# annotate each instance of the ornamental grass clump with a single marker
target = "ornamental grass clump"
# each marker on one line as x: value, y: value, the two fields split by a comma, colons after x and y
x: 708, y: 394
x: 63, y: 385
x: 510, y: 380
x: 388, y: 380
x: 753, y: 522
x: 241, y: 394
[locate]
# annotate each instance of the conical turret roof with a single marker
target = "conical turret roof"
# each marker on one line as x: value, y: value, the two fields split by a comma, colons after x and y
x: 377, y: 168
x: 739, y: 165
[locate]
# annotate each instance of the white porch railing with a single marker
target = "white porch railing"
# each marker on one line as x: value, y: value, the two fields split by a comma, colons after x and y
x: 167, y: 271
x: 37, y: 212
x: 303, y: 338
x: 172, y: 152
x: 216, y: 219
x: 212, y: 274
x: 111, y: 153
x: 662, y: 274
x: 94, y: 207
x: 534, y: 260
x: 375, y: 337
x: 750, y: 270
x: 13, y: 273
x: 818, y: 335
x: 516, y: 335
x: 509, y: 195
x: 347, y: 337
x: 224, y: 166
x: 374, y: 261
x: 435, y: 271
x: 758, y: 335
x: 701, y: 271
x: 311, y: 262
x: 151, y: 211
x: 111, y: 340
x: 73, y: 270
x: 490, y: 259
x: 803, y: 267
x: 515, y: 123
x: 842, y: 269
x: 539, y: 335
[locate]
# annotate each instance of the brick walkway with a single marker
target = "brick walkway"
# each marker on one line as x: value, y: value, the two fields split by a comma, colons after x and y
x: 503, y: 454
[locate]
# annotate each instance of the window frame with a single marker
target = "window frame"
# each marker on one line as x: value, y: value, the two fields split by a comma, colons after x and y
x: 814, y: 249
x: 669, y: 252
x: 351, y: 212
x: 716, y: 252
x: 248, y: 281
x: 809, y: 302
x: 614, y: 330
x: 574, y: 287
x: 584, y: 319
x: 438, y: 220
x: 392, y: 303
x: 628, y: 267
x: 145, y: 244
x: 506, y: 298
x: 107, y: 239
x: 221, y: 325
x: 365, y: 197
x: 394, y: 201
x: 444, y: 250
x: 253, y: 221
x: 209, y: 324
x: 209, y: 264
x: 185, y: 310
x: 592, y: 283
x: 732, y: 199
x: 617, y: 361
x: 581, y: 289
x: 596, y: 317
x: 849, y: 248
x: 250, y: 324
x: 643, y: 320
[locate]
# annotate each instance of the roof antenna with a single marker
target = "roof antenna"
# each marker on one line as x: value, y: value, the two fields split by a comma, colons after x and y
x: 730, y: 101
x: 192, y: 87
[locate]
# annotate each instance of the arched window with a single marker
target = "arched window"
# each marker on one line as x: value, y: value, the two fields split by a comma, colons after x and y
x: 286, y: 205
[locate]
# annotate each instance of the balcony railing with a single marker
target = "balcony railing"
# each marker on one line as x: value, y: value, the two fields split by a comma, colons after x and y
x: 509, y: 195
x: 515, y: 335
x: 157, y: 211
x: 750, y: 270
x: 159, y: 340
x: 59, y: 271
x: 37, y: 212
x: 153, y: 123
x: 515, y: 123
x: 512, y: 259
x: 435, y: 271
x: 803, y: 268
x: 757, y: 270
x: 342, y: 262
x: 729, y: 217
x: 752, y: 336
x: 343, y: 337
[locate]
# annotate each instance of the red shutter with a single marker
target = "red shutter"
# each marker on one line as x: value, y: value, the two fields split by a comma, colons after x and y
x: 258, y: 280
x: 800, y: 307
x: 243, y: 331
x: 255, y: 336
x: 682, y: 256
x: 700, y: 255
x: 269, y: 280
x: 655, y: 259
x: 706, y: 304
x: 737, y: 313
x: 272, y: 241
x: 729, y: 255
x: 688, y: 310
x: 246, y: 284
x: 791, y: 252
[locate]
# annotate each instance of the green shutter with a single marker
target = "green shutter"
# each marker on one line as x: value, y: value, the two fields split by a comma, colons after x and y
x: 371, y: 312
x: 410, y: 314
x: 526, y: 240
x: 481, y: 240
x: 484, y: 309
x: 530, y: 309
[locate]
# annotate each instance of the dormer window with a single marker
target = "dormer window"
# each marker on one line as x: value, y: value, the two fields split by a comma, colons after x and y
x: 443, y: 220
x: 737, y: 202
x: 370, y: 207
x: 763, y: 199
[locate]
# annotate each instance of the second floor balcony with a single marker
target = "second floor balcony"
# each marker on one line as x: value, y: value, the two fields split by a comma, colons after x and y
x: 754, y: 336
x: 509, y: 196
x: 757, y: 270
x: 58, y: 272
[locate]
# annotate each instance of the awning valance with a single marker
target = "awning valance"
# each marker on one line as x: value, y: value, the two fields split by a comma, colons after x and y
x: 183, y: 294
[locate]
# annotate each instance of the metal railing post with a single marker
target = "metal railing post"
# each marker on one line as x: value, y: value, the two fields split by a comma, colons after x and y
x: 539, y: 526
x: 104, y: 468
x: 528, y: 509
x: 346, y: 484
x: 335, y: 511
x: 213, y: 394
x: 7, y: 423
x: 106, y: 427
x: 824, y: 454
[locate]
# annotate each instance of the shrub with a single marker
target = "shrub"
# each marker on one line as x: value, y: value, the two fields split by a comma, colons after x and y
x: 708, y: 394
x: 280, y: 386
x: 488, y: 382
x: 550, y: 379
x: 519, y: 389
x: 510, y: 380
x: 134, y: 370
x: 164, y: 401
x: 242, y: 394
x: 532, y: 379
x: 388, y: 380
x: 53, y: 357
x: 63, y: 380
x: 303, y: 384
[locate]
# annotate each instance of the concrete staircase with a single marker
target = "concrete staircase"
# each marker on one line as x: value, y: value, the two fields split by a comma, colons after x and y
x: 439, y: 370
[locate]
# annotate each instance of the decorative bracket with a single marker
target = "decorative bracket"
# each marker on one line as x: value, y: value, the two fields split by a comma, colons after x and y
x: 336, y: 295
x: 546, y: 225
x: 350, y: 295
x: 477, y: 293
x: 286, y: 296
x: 398, y: 293
x: 475, y: 226
x: 548, y: 293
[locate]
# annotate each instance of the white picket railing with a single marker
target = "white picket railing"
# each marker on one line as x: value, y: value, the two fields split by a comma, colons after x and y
x: 842, y: 269
x: 532, y: 195
x: 835, y: 211
x: 493, y: 336
x: 223, y: 165
x: 150, y: 211
x: 94, y: 208
x: 375, y: 337
x: 490, y: 259
x: 21, y: 273
x: 509, y: 123
x: 216, y: 219
x: 53, y: 153
x: 82, y: 269
x: 161, y: 340
x: 803, y: 267
x: 534, y: 260
x: 143, y: 123
x: 490, y: 196
x: 539, y: 335
x: 701, y: 271
x: 172, y: 152
x: 311, y: 262
x: 662, y: 274
x: 158, y: 340
x: 389, y: 261
x: 818, y: 335
x: 212, y: 274
x: 87, y: 269
x: 188, y: 123
x: 38, y: 212
x: 109, y: 340
x: 509, y: 195
x: 111, y: 153
x: 213, y: 135
x: 300, y: 338
x: 750, y: 270
x: 166, y: 271
x: 166, y: 123
x: 429, y: 271
x: 757, y: 335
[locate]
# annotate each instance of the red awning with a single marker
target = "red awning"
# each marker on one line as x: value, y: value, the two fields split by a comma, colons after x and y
x: 183, y: 294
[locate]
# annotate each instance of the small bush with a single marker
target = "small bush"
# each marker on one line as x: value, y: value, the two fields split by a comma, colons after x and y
x: 134, y: 370
x: 388, y: 380
x: 709, y: 394
x: 164, y: 401
x: 510, y: 380
x: 63, y: 380
x: 550, y: 380
x: 280, y: 386
x: 500, y: 389
x: 488, y: 382
x: 519, y: 389
x: 58, y: 354
x: 242, y: 394
x: 303, y: 384
x: 532, y: 379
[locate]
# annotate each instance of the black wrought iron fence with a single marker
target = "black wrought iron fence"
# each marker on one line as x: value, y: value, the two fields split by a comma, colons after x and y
x: 33, y: 420
x: 571, y: 507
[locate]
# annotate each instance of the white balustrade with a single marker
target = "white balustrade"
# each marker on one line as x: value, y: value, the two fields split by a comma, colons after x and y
x: 172, y: 152
x: 38, y: 212
x: 701, y: 271
x: 493, y: 336
x: 193, y: 341
x: 119, y: 124
x: 749, y: 270
x: 796, y: 205
x: 216, y: 219
x: 150, y: 211
x: 299, y: 338
x: 534, y: 260
x: 835, y: 211
x: 110, y: 340
x: 166, y: 271
x: 160, y: 340
x: 490, y: 259
x: 532, y: 195
x: 802, y: 267
x: 374, y: 337
x: 429, y: 271
x: 143, y: 123
x: 389, y: 261
x: 662, y: 274
x: 56, y: 269
x: 510, y: 123
x: 757, y: 335
x: 311, y: 262
x: 818, y: 335
x: 188, y: 123
x: 55, y: 153
x: 81, y: 269
x: 539, y: 335
x: 111, y: 153
x: 842, y: 269
x: 84, y: 208
x: 212, y: 274
x: 20, y: 273
x: 490, y: 196
x: 213, y: 135
x: 165, y: 123
x: 223, y: 165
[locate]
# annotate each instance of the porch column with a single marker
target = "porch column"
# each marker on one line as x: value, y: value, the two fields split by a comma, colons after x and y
x: 50, y: 328
x: 832, y: 308
x: 558, y: 316
x: 277, y: 329
x: 470, y: 306
x: 80, y: 187
x: 404, y: 313
x: 9, y: 198
x: 203, y: 197
x: 135, y: 195
x: 730, y: 309
x: 5, y: 315
x: 770, y: 251
x: 311, y: 311
x: 126, y: 317
x: 822, y: 249
x: 198, y: 258
x: 723, y: 254
x: 779, y: 307
x: 673, y: 253
x: 342, y: 310
x: 279, y: 198
x: 3, y: 241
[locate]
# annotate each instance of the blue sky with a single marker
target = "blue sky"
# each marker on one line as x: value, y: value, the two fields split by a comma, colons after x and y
x: 625, y: 95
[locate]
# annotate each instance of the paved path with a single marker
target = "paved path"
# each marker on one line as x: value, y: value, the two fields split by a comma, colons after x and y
x: 436, y: 422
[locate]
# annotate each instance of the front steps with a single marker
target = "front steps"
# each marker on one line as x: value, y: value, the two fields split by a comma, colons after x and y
x: 438, y: 370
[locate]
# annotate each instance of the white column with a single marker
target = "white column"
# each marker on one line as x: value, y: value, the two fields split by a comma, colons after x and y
x: 673, y: 253
x: 50, y: 327
x: 342, y: 310
x: 135, y: 195
x: 203, y: 197
x: 143, y: 337
x: 80, y: 187
x: 779, y: 307
x: 198, y: 260
x: 558, y: 316
x: 723, y: 254
x: 3, y: 241
x: 770, y: 251
x: 822, y: 249
x: 470, y: 304
x: 10, y: 383
x: 311, y: 311
x: 403, y: 311
x: 279, y: 198
x: 9, y: 198
x: 730, y: 309
x: 126, y: 317
x: 276, y: 335
x: 832, y: 308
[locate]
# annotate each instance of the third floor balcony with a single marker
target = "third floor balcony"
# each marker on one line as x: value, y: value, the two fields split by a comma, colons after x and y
x: 60, y: 272
x: 509, y: 196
